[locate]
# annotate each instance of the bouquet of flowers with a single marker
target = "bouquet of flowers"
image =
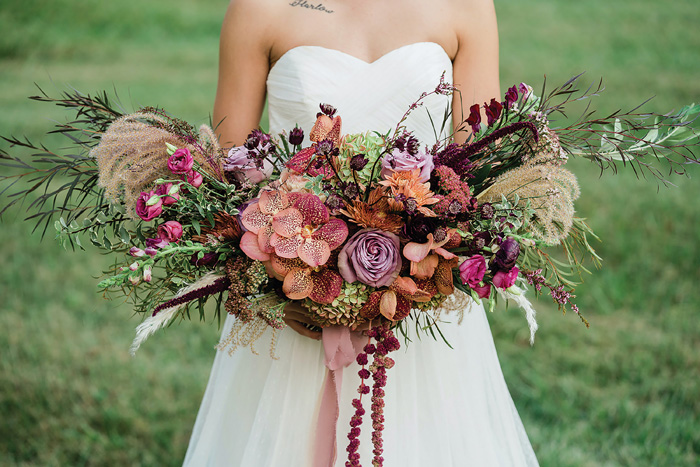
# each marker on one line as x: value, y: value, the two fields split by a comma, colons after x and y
x: 370, y: 231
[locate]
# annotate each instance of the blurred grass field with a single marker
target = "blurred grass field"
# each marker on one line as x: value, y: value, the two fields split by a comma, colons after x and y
x: 624, y: 392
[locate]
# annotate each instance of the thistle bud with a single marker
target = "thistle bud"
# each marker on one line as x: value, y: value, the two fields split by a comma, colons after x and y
x: 296, y: 136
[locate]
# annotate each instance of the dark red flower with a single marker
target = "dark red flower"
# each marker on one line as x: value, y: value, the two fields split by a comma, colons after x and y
x: 493, y: 111
x: 474, y: 119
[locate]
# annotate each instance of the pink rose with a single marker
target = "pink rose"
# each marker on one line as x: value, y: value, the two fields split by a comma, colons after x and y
x: 148, y: 205
x: 181, y: 161
x: 194, y: 178
x: 483, y: 291
x: 472, y: 270
x: 170, y: 231
x: 503, y: 280
x: 168, y: 193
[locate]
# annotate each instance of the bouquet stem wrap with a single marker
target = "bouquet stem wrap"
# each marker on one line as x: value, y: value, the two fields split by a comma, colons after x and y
x: 341, y: 347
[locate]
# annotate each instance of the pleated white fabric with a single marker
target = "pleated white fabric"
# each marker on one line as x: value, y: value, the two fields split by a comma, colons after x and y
x: 444, y: 407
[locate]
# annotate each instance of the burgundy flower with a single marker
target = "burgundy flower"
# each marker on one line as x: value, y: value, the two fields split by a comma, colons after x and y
x: 474, y: 119
x: 493, y: 111
x: 503, y: 279
x: 148, y: 205
x: 170, y: 231
x: 511, y: 97
x: 296, y: 136
x: 209, y: 259
x: 358, y: 162
x: 472, y: 270
x: 507, y: 254
x: 181, y: 161
x: 372, y: 257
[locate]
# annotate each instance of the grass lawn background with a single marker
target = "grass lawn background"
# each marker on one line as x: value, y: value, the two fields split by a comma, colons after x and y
x: 624, y: 392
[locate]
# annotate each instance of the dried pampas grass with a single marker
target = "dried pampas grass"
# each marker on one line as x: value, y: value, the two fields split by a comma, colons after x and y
x: 550, y: 189
x: 132, y: 154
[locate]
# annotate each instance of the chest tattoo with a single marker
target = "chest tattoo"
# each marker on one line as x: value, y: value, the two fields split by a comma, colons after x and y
x: 310, y: 6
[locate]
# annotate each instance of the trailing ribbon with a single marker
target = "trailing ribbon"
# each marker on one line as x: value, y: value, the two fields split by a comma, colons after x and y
x: 341, y: 347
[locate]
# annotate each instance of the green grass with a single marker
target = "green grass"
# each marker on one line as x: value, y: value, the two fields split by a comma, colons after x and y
x: 624, y: 392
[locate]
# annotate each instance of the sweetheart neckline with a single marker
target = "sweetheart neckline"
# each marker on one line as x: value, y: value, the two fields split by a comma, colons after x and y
x: 361, y: 60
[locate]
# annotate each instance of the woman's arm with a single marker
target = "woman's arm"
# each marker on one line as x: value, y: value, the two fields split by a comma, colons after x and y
x: 475, y: 65
x: 243, y: 66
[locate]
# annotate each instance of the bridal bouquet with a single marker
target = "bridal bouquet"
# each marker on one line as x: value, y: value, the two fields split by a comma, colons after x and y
x: 371, y: 230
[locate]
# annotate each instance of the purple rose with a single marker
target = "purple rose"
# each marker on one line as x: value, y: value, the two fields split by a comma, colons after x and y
x: 503, y: 279
x: 243, y: 166
x: 372, y: 257
x: 472, y: 270
x: 181, y: 161
x: 148, y: 205
x: 403, y: 161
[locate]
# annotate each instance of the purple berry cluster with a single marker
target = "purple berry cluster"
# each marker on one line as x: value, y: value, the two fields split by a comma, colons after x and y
x: 386, y: 342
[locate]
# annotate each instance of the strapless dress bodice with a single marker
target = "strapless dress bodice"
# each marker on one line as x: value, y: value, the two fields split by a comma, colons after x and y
x: 368, y: 95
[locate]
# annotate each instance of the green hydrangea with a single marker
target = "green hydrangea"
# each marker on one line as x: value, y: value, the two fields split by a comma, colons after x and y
x: 345, y: 309
x: 369, y: 144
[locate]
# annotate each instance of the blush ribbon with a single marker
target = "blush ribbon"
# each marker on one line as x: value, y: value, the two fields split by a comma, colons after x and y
x: 341, y: 347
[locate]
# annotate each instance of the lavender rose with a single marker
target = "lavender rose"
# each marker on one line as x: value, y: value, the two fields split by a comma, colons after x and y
x: 243, y: 166
x: 372, y: 257
x: 404, y: 161
x: 148, y: 205
x: 181, y: 161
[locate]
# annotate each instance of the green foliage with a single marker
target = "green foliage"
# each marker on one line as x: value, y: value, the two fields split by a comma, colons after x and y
x: 624, y: 392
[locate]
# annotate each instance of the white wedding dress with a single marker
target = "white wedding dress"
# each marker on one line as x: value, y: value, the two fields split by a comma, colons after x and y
x: 444, y: 407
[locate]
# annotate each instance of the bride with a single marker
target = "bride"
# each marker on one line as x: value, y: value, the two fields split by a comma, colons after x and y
x: 370, y: 60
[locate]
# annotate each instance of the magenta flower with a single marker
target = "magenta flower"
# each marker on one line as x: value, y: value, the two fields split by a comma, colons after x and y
x: 181, y: 161
x: 472, y: 270
x: 503, y: 279
x: 169, y: 193
x: 483, y: 291
x: 194, y: 178
x: 372, y: 257
x: 525, y: 90
x: 148, y: 205
x: 170, y: 231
